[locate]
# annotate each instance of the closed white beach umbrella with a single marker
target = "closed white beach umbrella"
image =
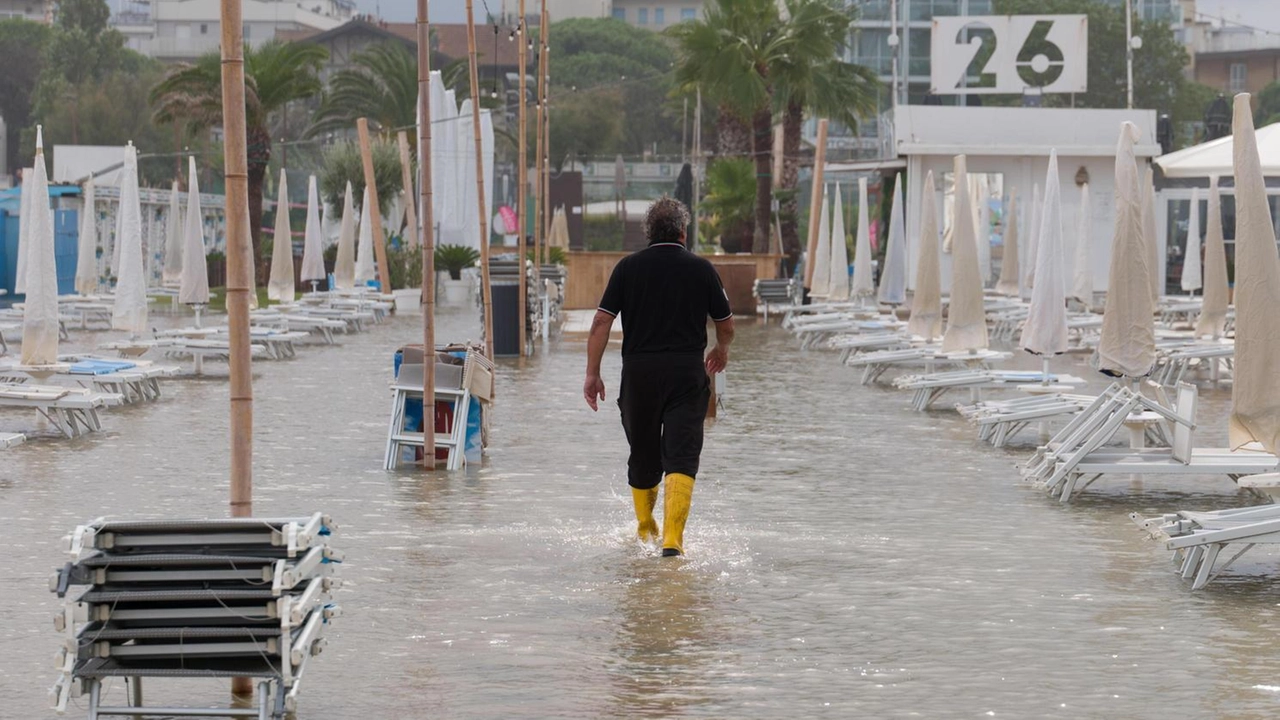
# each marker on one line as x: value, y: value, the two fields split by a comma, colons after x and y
x: 1045, y: 331
x: 822, y: 252
x: 1255, y: 394
x: 1082, y: 275
x: 893, y: 277
x: 87, y: 243
x: 486, y: 155
x: 864, y: 284
x: 344, y: 265
x: 172, y: 272
x: 838, y: 286
x: 312, y: 244
x: 1009, y: 269
x: 966, y: 317
x: 24, y: 230
x: 1191, y: 260
x: 1127, y: 347
x: 364, y: 270
x: 1029, y: 257
x: 130, y: 309
x: 1149, y: 233
x: 558, y: 234
x: 1213, y: 308
x: 280, y: 285
x: 439, y: 186
x: 982, y: 228
x: 194, y: 288
x: 926, y: 303
x: 40, y: 313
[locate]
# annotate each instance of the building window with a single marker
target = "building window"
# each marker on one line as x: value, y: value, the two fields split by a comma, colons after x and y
x: 642, y: 16
x: 246, y: 31
x: 688, y: 14
x: 204, y: 28
x: 659, y: 16
x: 620, y: 14
x: 1239, y: 77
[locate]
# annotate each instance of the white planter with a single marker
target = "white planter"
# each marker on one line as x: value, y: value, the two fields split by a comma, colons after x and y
x: 455, y: 292
x: 408, y: 301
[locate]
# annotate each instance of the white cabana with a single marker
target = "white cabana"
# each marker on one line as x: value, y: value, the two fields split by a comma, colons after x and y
x: 40, y: 312
x: 193, y: 288
x: 1191, y: 280
x: 87, y: 243
x: 822, y: 251
x: 344, y: 265
x: 172, y: 272
x: 838, y: 287
x: 1255, y: 396
x: 893, y: 277
x: 926, y: 305
x: 966, y: 317
x: 312, y: 251
x: 280, y: 285
x: 1045, y: 330
x: 1215, y: 157
x: 129, y: 312
x: 365, y: 269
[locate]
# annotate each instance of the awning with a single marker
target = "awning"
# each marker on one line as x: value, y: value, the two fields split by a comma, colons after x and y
x: 1214, y: 157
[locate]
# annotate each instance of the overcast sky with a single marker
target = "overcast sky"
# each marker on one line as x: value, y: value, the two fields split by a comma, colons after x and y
x: 1264, y: 14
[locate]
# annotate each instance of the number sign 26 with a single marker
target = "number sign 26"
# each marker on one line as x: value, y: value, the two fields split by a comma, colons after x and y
x: 1009, y: 54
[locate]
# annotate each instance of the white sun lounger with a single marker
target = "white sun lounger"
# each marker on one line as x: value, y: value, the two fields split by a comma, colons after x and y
x: 8, y: 440
x: 997, y: 421
x: 927, y: 389
x: 73, y: 412
x: 875, y: 364
x: 1078, y: 470
x: 1198, y: 538
x: 1173, y: 364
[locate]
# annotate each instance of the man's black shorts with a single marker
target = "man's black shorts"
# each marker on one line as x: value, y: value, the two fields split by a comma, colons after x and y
x: 663, y: 399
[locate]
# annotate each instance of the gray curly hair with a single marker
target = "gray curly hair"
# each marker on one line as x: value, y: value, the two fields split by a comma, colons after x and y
x: 666, y: 220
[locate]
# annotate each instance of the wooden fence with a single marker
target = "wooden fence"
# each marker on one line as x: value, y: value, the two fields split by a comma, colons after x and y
x: 588, y: 273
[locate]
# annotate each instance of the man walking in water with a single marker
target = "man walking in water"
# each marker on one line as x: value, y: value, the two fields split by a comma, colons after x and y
x: 664, y: 294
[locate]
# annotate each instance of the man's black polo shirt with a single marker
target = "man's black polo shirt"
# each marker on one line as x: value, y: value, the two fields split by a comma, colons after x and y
x: 665, y: 294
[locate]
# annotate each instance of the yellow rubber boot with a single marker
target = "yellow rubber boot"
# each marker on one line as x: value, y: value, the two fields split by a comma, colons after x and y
x: 648, y: 527
x: 675, y: 512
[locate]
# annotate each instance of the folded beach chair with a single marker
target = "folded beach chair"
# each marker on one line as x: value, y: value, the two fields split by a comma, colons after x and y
x: 1198, y: 538
x: 72, y: 411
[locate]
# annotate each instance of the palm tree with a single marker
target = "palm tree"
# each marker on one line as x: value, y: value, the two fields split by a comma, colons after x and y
x: 276, y: 74
x: 381, y: 84
x: 730, y: 54
x: 812, y: 78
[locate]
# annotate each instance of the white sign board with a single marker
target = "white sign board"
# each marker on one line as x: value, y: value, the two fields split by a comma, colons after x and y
x: 1009, y: 54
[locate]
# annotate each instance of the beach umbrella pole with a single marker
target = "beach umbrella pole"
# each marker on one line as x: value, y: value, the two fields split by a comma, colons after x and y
x: 239, y: 280
x: 522, y: 158
x: 815, y: 201
x: 486, y: 294
x: 375, y: 215
x: 427, y: 235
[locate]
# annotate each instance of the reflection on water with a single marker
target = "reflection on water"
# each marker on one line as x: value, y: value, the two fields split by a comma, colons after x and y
x: 847, y: 557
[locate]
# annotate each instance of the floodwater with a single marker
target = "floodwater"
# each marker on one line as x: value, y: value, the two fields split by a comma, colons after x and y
x: 848, y: 558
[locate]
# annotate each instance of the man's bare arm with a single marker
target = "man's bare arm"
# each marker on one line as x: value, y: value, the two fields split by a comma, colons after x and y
x: 597, y: 341
x: 719, y: 357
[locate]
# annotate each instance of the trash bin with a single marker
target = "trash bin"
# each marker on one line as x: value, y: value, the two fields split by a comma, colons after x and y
x: 506, y: 317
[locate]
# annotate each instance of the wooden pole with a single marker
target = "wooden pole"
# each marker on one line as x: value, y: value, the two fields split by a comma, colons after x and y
x: 486, y: 292
x: 540, y: 153
x: 239, y: 272
x: 410, y: 199
x: 375, y: 215
x: 815, y: 202
x: 428, y: 241
x: 544, y: 69
x: 522, y: 178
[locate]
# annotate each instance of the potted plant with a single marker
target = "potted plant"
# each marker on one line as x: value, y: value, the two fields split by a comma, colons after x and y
x: 453, y: 259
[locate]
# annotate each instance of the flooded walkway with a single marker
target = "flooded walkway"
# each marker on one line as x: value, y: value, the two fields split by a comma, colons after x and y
x: 847, y: 557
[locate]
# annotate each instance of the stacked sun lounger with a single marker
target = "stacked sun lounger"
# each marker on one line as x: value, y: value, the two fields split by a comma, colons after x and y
x: 194, y: 599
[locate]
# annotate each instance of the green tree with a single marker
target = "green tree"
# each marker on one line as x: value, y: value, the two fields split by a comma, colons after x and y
x: 596, y: 57
x: 22, y: 45
x: 343, y: 164
x: 583, y: 126
x: 381, y: 84
x: 276, y: 74
x: 815, y: 79
x: 730, y: 203
x: 1266, y: 106
x: 730, y: 54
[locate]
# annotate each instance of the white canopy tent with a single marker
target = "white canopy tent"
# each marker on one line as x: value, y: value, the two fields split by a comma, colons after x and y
x: 1214, y: 157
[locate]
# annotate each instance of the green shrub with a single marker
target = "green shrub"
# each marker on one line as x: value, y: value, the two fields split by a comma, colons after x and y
x: 603, y: 233
x: 455, y: 258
